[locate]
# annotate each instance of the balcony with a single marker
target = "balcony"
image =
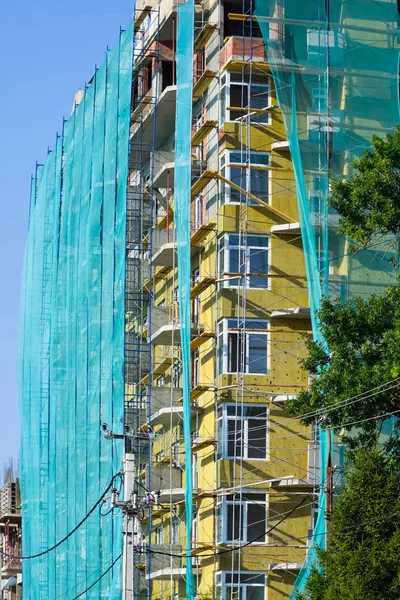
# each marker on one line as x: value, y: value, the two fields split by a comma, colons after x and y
x: 171, y: 415
x: 169, y: 564
x: 165, y: 327
x: 291, y: 313
x: 164, y: 176
x: 290, y: 483
x: 164, y: 249
x: 234, y: 52
x: 288, y: 566
x: 164, y: 478
x: 143, y: 129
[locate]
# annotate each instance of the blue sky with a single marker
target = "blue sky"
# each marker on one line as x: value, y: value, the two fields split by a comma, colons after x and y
x: 49, y: 49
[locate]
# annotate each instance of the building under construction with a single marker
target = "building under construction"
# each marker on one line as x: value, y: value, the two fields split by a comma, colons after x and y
x: 180, y: 244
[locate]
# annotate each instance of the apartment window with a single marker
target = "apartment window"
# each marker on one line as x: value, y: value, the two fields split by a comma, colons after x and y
x: 196, y: 300
x: 158, y: 533
x: 195, y: 368
x: 242, y: 586
x: 161, y: 381
x: 243, y: 349
x: 176, y: 376
x: 195, y: 471
x: 198, y: 211
x: 239, y: 92
x: 174, y: 531
x: 243, y: 430
x: 160, y: 456
x: 246, y: 171
x: 251, y: 260
x: 175, y: 451
x: 243, y: 518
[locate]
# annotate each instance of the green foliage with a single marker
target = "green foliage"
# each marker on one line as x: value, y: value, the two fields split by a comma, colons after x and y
x: 363, y: 338
x: 362, y: 559
x: 369, y: 202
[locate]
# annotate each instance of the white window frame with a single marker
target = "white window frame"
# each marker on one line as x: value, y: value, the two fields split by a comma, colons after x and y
x: 243, y: 505
x: 195, y: 359
x: 176, y: 453
x: 175, y: 531
x: 226, y: 85
x: 227, y: 326
x: 159, y: 535
x: 224, y: 251
x: 225, y: 593
x: 223, y: 418
x: 226, y: 171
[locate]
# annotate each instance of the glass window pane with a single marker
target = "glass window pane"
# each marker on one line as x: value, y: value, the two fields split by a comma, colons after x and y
x: 257, y: 354
x: 254, y: 592
x: 257, y: 439
x: 233, y: 522
x: 256, y: 522
x: 255, y: 411
x: 231, y: 438
x: 258, y: 263
x: 259, y: 184
x: 235, y: 410
x: 233, y: 266
x: 258, y: 240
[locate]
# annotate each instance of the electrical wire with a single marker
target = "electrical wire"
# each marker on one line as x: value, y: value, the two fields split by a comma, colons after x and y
x: 234, y: 548
x: 99, y: 578
x: 85, y: 518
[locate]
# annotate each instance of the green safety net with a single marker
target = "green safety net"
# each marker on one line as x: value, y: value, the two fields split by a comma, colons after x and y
x: 335, y: 67
x: 72, y: 342
x: 183, y: 160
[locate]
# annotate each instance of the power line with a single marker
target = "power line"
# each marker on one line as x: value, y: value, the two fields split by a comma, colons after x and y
x: 85, y: 518
x: 99, y: 578
x: 234, y: 548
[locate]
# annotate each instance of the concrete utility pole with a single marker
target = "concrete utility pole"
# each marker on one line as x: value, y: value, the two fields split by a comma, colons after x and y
x: 127, y: 568
x: 329, y: 485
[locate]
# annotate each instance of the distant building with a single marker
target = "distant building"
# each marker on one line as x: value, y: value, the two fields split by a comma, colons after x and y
x: 10, y: 541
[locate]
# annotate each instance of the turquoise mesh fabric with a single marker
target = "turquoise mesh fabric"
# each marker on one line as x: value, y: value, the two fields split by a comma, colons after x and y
x: 335, y: 70
x: 72, y: 341
x: 183, y: 134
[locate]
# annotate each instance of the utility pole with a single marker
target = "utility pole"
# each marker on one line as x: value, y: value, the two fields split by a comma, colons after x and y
x: 128, y: 550
x: 329, y: 485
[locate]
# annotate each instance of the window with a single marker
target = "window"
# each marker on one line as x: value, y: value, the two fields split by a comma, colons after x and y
x: 195, y: 368
x: 159, y: 535
x: 195, y: 471
x: 251, y: 260
x: 160, y: 456
x: 238, y: 93
x: 243, y: 349
x: 175, y: 453
x: 242, y: 586
x: 196, y: 300
x: 161, y: 381
x: 174, y: 531
x: 251, y: 178
x: 176, y: 376
x: 243, y: 518
x: 243, y: 431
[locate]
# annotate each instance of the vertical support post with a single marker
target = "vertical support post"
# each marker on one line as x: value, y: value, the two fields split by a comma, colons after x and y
x: 127, y: 568
x: 329, y: 485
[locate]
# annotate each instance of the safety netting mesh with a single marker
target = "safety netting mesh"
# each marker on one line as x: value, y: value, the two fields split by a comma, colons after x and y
x: 183, y: 166
x: 72, y: 342
x: 335, y: 68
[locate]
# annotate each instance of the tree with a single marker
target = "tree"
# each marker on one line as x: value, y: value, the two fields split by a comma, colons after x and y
x: 363, y: 338
x: 362, y: 559
x: 369, y: 202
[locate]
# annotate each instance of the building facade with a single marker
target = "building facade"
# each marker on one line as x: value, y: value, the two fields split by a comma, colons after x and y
x: 223, y: 490
x: 10, y: 540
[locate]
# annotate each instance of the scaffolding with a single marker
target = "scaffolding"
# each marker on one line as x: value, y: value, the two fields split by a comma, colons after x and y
x: 179, y: 247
